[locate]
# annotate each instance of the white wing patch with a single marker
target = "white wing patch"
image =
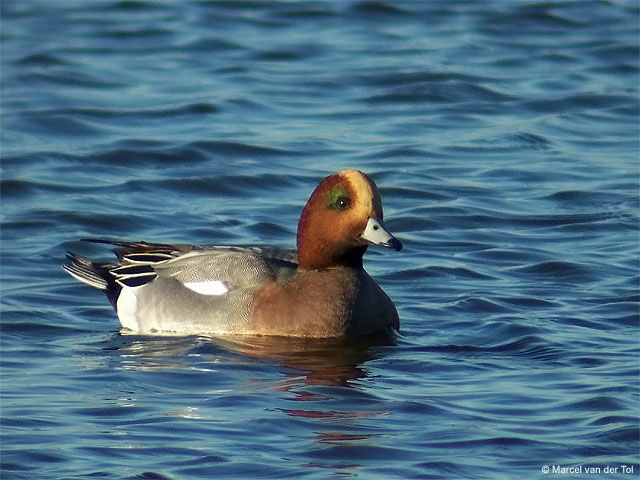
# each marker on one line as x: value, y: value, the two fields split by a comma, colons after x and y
x: 210, y: 287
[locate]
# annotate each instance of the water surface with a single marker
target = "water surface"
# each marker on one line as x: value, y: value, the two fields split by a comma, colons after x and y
x: 504, y: 139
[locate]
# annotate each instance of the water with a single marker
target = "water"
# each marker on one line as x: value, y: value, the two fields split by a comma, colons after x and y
x: 504, y: 139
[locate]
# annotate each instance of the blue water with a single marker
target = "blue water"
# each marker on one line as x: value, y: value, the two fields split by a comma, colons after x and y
x: 504, y: 139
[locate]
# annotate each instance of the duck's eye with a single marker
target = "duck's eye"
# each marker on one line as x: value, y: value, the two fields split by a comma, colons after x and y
x: 342, y: 203
x: 339, y: 200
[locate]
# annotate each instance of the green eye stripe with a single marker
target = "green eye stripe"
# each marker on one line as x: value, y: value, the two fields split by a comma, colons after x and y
x: 335, y: 196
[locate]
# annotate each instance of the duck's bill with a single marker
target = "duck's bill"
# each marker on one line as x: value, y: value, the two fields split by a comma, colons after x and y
x: 375, y: 234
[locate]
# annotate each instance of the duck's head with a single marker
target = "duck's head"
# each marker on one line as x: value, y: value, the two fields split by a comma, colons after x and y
x: 341, y: 218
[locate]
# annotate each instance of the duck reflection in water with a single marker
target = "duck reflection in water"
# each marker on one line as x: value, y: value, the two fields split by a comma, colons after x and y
x: 321, y: 383
x: 328, y: 362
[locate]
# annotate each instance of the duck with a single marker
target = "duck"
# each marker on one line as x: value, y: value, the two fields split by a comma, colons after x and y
x: 319, y: 291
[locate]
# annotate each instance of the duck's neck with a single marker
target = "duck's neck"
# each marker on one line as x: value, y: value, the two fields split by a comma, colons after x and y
x: 314, y: 257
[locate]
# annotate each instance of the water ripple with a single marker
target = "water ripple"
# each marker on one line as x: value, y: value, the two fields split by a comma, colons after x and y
x: 504, y: 140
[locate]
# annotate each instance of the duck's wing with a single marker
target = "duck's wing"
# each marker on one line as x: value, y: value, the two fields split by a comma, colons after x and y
x: 217, y: 270
x: 211, y: 270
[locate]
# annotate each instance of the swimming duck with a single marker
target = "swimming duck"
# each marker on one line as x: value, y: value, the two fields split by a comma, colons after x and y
x: 322, y: 292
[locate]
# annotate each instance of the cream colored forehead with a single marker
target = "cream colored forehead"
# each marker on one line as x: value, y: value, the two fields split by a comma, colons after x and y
x: 368, y: 198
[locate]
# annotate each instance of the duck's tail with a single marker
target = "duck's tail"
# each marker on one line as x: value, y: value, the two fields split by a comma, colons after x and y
x: 83, y: 269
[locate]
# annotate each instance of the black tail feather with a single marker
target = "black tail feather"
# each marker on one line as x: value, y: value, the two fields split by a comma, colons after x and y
x: 83, y: 269
x: 93, y: 274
